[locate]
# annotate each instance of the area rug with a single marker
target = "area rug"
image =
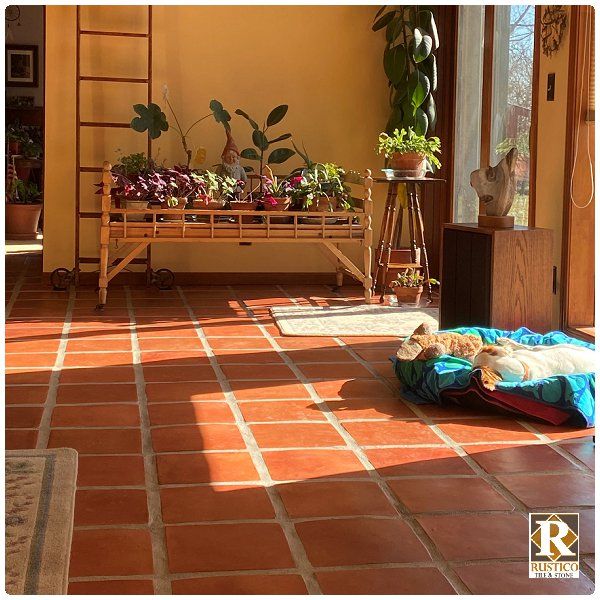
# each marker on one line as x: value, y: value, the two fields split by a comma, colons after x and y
x: 352, y: 321
x: 40, y: 500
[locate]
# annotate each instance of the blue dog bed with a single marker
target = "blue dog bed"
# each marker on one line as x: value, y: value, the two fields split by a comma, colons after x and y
x: 559, y: 399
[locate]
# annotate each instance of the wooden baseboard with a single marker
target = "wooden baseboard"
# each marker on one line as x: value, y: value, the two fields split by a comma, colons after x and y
x: 183, y: 278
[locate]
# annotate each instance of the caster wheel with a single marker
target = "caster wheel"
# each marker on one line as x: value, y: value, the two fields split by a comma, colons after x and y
x: 164, y: 279
x: 99, y: 307
x: 60, y: 279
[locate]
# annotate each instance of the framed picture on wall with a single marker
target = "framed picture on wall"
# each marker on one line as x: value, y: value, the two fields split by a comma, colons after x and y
x: 21, y: 65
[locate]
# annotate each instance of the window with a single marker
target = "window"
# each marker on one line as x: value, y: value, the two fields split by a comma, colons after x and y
x: 492, y: 130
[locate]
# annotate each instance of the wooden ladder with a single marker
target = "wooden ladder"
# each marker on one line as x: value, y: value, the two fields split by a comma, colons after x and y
x: 79, y: 168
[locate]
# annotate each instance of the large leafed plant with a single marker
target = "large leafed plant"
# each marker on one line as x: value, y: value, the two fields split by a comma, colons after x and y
x: 410, y: 65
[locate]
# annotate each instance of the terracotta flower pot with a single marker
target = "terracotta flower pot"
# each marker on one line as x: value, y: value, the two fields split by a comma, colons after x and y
x: 411, y: 164
x: 249, y: 206
x: 181, y: 202
x: 14, y: 147
x: 136, y: 205
x: 324, y: 204
x: 23, y: 167
x: 22, y: 221
x: 408, y: 295
x: 282, y: 203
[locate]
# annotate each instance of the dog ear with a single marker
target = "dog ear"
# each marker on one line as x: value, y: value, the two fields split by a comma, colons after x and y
x: 489, y: 378
x: 511, y: 158
x: 424, y: 329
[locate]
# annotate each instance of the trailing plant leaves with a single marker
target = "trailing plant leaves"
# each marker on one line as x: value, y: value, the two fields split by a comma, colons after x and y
x: 419, y: 87
x: 253, y: 123
x: 383, y: 21
x: 279, y: 156
x: 220, y: 114
x: 427, y: 22
x: 394, y: 29
x: 379, y: 12
x: 151, y: 118
x: 250, y: 154
x: 421, y: 122
x: 429, y: 67
x: 285, y: 136
x: 277, y: 114
x: 430, y: 111
x: 395, y: 120
x: 394, y: 63
x: 420, y: 45
x: 260, y: 139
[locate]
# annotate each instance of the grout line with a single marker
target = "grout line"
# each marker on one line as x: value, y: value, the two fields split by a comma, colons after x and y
x: 162, y: 583
x: 50, y: 403
x: 297, y: 550
x: 16, y: 289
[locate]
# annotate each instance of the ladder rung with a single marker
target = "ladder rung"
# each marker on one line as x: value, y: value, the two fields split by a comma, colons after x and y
x: 90, y: 215
x: 90, y: 169
x: 115, y: 33
x: 115, y: 79
x: 89, y: 260
x: 106, y: 124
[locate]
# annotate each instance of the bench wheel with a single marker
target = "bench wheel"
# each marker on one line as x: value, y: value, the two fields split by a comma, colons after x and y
x: 61, y: 279
x: 163, y: 279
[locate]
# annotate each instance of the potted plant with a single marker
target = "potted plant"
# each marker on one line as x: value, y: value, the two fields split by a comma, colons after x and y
x: 276, y: 193
x: 206, y: 196
x: 410, y: 153
x: 30, y: 150
x: 408, y: 286
x: 133, y: 188
x: 329, y: 190
x: 23, y: 210
x: 15, y: 135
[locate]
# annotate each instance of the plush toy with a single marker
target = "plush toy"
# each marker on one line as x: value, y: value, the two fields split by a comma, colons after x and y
x: 423, y: 344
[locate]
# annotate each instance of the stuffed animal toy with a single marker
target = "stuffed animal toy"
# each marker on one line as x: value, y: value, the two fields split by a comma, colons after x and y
x: 514, y: 362
x: 424, y: 344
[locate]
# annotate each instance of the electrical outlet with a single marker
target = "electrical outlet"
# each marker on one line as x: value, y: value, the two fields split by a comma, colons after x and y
x: 550, y: 87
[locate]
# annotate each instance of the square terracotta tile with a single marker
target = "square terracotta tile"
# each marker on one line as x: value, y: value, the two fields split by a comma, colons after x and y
x: 197, y: 437
x: 240, y: 343
x: 287, y: 465
x: 394, y: 462
x: 485, y: 430
x: 111, y: 552
x: 25, y: 394
x: 359, y: 541
x: 334, y: 498
x: 181, y: 413
x: 110, y: 470
x: 296, y: 435
x: 281, y: 410
x: 363, y: 408
x: 97, y: 345
x: 214, y: 467
x: 25, y: 417
x: 44, y: 345
x: 512, y: 578
x: 564, y: 433
x: 215, y: 503
x: 227, y: 547
x: 27, y: 376
x: 403, y: 581
x: 513, y: 459
x: 19, y: 439
x: 376, y: 355
x: 306, y: 343
x: 467, y: 537
x: 268, y: 390
x: 371, y: 389
x: 101, y: 415
x: 584, y: 451
x: 233, y: 330
x: 391, y: 433
x: 335, y: 371
x: 551, y: 490
x: 97, y: 359
x: 170, y: 344
x: 448, y: 494
x: 321, y: 355
x: 105, y: 587
x: 174, y: 358
x: 181, y: 373
x: 278, y: 371
x: 110, y: 507
x: 184, y: 392
x: 240, y: 584
x: 247, y: 357
x: 93, y: 441
x: 97, y: 393
x: 123, y: 374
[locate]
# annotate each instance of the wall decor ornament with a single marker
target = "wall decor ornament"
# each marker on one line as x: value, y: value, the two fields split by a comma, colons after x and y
x: 21, y: 65
x: 554, y: 23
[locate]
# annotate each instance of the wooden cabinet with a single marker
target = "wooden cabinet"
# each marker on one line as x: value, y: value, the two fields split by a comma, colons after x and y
x: 499, y: 278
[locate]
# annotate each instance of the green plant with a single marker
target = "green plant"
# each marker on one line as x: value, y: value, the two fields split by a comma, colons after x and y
x: 24, y: 192
x: 521, y: 143
x: 404, y: 142
x: 132, y: 164
x: 410, y: 65
x: 16, y: 133
x: 261, y: 141
x: 411, y: 278
x: 328, y: 182
x: 31, y: 148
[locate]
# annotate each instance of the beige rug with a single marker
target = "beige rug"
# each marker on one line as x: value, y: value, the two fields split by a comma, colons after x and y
x: 350, y: 321
x: 40, y: 500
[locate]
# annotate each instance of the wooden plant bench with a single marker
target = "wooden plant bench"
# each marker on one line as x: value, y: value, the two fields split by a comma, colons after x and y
x: 330, y: 230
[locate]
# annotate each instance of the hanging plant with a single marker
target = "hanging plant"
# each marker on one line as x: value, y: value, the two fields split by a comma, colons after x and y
x: 410, y: 65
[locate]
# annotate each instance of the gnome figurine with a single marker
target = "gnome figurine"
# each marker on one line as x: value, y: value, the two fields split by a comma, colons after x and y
x: 230, y: 161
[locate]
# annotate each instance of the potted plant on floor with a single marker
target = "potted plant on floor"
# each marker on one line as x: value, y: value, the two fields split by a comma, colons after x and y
x: 409, y: 154
x: 30, y: 152
x: 23, y: 210
x: 408, y: 286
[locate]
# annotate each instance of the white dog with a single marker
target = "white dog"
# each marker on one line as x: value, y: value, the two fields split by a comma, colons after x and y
x: 513, y: 362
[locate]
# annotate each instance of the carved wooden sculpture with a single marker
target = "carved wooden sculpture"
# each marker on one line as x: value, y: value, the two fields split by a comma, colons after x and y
x: 495, y: 187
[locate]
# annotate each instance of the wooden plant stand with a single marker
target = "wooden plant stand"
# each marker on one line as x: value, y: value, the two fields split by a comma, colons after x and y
x: 351, y: 227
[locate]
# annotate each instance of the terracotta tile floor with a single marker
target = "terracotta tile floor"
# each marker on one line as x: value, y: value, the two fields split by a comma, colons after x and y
x: 218, y: 457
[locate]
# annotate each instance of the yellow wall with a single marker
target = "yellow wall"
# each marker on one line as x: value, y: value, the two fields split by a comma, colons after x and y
x: 552, y: 122
x: 324, y: 61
